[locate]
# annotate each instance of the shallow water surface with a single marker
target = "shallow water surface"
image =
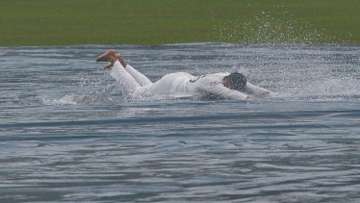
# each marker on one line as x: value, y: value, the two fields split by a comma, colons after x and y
x: 68, y: 135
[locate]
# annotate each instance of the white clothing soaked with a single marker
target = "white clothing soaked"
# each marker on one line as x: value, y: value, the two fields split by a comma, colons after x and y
x: 179, y: 84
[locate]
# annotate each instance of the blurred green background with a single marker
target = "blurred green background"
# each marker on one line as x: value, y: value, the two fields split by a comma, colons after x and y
x: 56, y: 22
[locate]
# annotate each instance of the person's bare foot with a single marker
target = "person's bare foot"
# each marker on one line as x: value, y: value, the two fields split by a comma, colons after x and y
x: 110, y: 56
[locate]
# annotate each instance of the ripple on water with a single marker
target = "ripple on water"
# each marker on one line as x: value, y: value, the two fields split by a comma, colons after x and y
x: 67, y: 133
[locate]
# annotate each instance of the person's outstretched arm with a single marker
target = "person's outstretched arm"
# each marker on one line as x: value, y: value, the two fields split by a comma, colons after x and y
x: 226, y: 93
x: 255, y: 90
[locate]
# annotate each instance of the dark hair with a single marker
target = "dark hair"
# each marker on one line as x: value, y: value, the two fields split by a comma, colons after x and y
x: 238, y: 80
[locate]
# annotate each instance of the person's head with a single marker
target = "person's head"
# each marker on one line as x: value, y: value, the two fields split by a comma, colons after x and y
x: 236, y: 81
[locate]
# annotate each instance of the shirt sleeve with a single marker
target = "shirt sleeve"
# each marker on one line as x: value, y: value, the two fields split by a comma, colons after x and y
x: 127, y: 81
x: 255, y: 90
x: 224, y: 92
x: 139, y: 77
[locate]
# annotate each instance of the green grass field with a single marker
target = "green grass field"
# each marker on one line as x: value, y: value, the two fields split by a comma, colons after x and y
x: 60, y: 22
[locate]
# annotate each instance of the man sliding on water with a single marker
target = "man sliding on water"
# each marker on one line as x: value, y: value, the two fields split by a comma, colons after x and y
x: 180, y: 84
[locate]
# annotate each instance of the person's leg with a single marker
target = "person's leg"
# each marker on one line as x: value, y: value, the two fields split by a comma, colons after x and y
x: 118, y: 72
x: 138, y: 76
x: 111, y: 56
x: 126, y: 80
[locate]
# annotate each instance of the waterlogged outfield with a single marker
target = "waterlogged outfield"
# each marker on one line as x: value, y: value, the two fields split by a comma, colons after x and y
x: 56, y: 22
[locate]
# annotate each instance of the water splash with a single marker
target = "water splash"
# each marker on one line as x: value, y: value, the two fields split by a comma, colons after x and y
x: 266, y: 27
x: 91, y: 90
x: 72, y: 99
